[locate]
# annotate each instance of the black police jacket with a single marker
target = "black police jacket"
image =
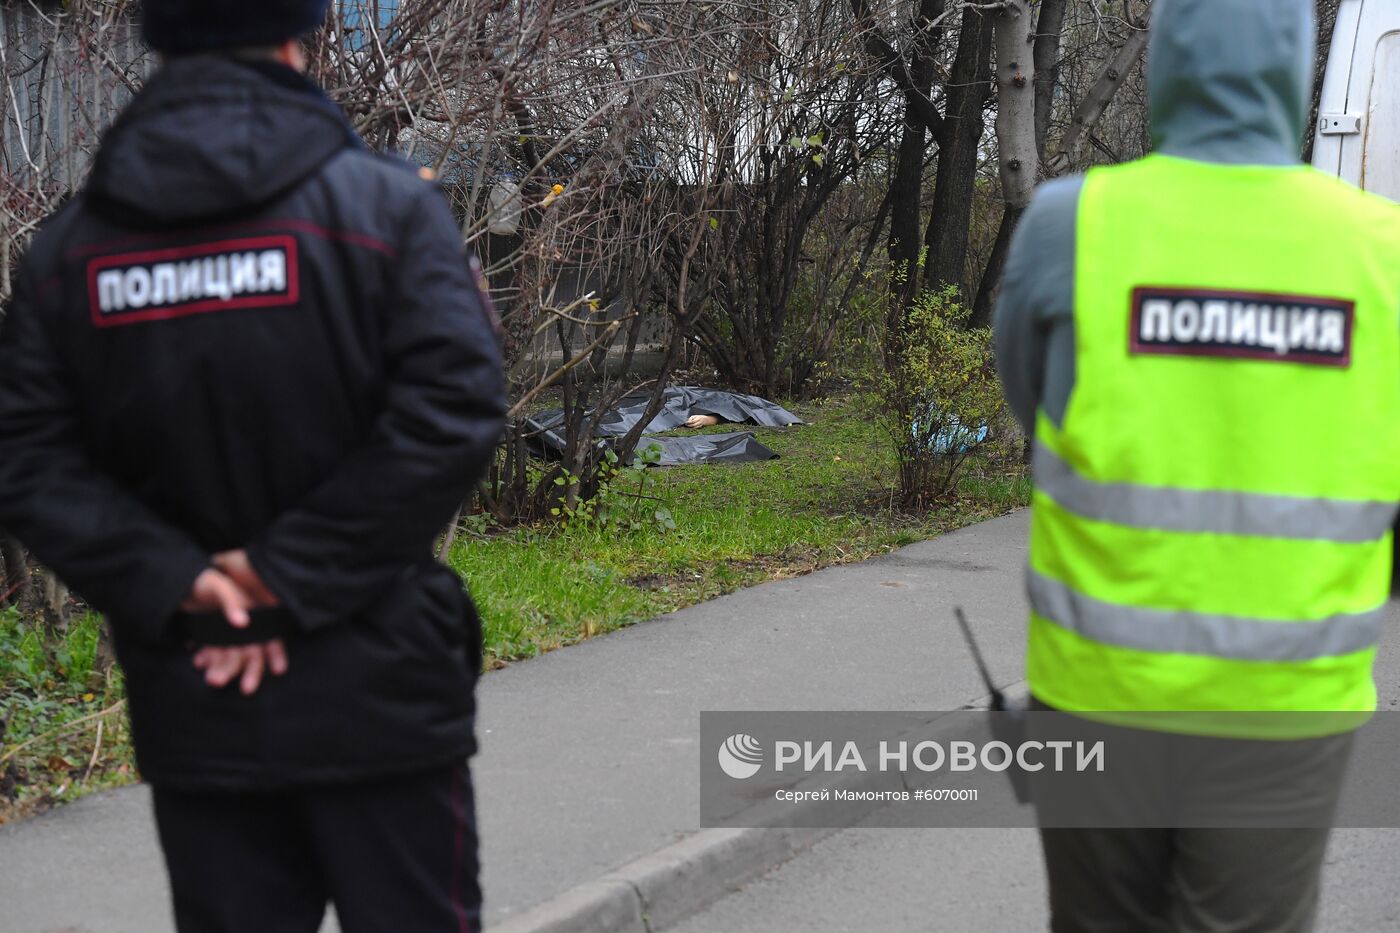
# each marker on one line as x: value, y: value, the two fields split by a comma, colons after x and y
x: 248, y: 331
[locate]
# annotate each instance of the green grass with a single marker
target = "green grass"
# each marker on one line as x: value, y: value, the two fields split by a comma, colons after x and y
x: 51, y: 703
x: 826, y: 501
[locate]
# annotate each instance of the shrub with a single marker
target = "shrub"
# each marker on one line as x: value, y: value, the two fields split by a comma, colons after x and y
x: 937, y: 394
x: 622, y: 500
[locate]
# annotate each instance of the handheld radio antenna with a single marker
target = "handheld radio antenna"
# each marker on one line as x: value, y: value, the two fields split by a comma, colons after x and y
x: 998, y: 700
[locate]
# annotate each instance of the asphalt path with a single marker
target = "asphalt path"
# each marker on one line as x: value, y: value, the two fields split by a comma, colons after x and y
x: 589, y: 755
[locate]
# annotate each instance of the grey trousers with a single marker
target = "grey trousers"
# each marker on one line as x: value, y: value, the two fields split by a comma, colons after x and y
x: 1238, y: 872
x: 1183, y: 880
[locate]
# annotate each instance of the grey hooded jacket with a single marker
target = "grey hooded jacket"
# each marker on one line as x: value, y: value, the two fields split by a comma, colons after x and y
x: 1229, y: 83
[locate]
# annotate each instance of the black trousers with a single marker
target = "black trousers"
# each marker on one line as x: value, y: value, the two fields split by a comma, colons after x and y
x: 392, y: 855
x: 1106, y: 875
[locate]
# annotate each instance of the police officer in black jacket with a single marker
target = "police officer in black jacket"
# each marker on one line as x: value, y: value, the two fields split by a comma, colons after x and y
x: 245, y: 379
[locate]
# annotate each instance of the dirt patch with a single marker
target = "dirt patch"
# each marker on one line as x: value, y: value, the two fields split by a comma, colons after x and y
x: 650, y: 582
x: 791, y: 562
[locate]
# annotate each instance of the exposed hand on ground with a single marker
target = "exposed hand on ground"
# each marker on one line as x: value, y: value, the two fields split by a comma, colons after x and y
x: 222, y: 664
x: 240, y: 570
x: 701, y: 421
x: 215, y: 591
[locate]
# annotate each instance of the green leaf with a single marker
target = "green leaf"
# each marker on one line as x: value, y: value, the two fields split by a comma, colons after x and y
x: 815, y: 139
x: 714, y: 223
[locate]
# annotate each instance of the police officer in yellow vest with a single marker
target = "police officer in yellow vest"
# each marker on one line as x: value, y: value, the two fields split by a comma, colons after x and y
x: 1205, y: 346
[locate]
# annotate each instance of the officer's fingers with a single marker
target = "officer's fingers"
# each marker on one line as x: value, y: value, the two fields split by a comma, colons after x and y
x: 253, y: 664
x: 237, y: 566
x: 248, y: 578
x: 224, y: 665
x: 232, y: 601
x: 202, y: 658
x: 277, y: 658
x: 201, y: 595
x: 262, y: 596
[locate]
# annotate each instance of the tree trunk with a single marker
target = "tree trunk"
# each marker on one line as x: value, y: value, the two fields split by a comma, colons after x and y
x: 55, y: 608
x: 1016, y: 104
x: 1100, y: 95
x: 906, y: 190
x: 906, y: 217
x: 106, y: 657
x: 959, y: 144
x: 996, y: 264
x: 16, y: 577
x: 1049, y: 27
x: 1023, y: 117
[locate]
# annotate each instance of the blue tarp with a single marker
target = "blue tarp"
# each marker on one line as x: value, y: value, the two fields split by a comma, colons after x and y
x: 954, y: 438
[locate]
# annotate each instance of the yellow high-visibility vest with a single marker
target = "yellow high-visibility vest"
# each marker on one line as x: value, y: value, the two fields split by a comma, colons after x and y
x: 1211, y: 522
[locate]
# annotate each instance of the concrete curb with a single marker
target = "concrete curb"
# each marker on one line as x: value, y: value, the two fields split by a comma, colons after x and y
x: 658, y: 890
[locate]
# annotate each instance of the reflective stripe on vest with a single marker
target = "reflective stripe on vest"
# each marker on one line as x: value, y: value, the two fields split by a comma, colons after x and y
x: 1201, y: 633
x: 1208, y: 511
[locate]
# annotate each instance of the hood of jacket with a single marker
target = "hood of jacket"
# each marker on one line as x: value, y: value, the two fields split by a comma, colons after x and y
x: 1230, y: 80
x: 211, y: 137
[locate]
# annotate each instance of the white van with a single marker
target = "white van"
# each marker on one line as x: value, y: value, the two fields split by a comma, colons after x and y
x: 1359, y: 121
